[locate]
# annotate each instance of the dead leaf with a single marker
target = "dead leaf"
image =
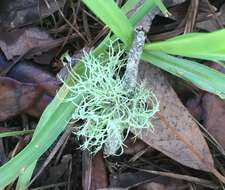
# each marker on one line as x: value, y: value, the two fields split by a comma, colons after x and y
x: 39, y: 106
x: 17, y: 13
x: 210, y: 109
x: 212, y: 24
x: 21, y: 41
x: 27, y: 72
x: 175, y: 133
x: 16, y: 97
x: 195, y: 108
x: 214, y: 116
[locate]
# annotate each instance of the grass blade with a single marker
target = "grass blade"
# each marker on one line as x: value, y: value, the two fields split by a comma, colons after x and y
x: 209, y: 46
x: 15, y: 133
x: 24, y: 179
x: 113, y: 17
x: 200, y: 75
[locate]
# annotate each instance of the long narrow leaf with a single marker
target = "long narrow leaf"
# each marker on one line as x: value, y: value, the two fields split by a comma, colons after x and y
x: 209, y: 46
x: 15, y: 133
x: 200, y: 75
x: 24, y: 179
x: 111, y: 14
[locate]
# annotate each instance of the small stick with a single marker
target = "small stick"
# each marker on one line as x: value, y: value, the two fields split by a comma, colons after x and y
x: 131, y: 73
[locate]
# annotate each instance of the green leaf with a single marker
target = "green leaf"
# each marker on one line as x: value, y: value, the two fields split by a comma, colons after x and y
x: 209, y: 46
x: 113, y: 17
x: 24, y: 179
x: 200, y: 75
x: 15, y: 133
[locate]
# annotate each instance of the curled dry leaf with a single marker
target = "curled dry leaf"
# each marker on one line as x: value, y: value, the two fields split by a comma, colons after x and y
x: 175, y: 133
x: 16, y: 97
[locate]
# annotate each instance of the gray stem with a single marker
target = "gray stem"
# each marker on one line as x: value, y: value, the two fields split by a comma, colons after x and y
x: 131, y: 73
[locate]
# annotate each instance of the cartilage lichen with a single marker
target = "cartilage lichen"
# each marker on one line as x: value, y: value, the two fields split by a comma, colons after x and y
x: 106, y: 107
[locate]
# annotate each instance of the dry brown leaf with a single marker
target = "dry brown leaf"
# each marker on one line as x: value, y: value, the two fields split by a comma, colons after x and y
x: 21, y: 41
x: 175, y: 134
x: 16, y: 97
x: 27, y: 72
x: 214, y: 116
x: 210, y: 109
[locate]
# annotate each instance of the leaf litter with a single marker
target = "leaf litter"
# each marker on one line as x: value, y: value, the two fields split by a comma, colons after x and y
x: 27, y: 88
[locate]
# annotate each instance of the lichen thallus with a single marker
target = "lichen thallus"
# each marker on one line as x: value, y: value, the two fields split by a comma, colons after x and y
x: 111, y: 104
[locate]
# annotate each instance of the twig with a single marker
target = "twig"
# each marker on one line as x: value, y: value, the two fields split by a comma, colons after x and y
x: 192, y: 179
x: 131, y: 73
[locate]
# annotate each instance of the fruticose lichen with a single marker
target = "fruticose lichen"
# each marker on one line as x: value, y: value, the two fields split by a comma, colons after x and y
x: 106, y: 108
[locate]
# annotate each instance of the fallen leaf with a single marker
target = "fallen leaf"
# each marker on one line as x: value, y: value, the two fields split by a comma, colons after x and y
x: 213, y: 113
x: 212, y: 24
x: 17, y: 13
x: 175, y: 133
x: 214, y: 116
x: 21, y: 41
x: 210, y: 110
x: 39, y: 106
x: 27, y: 72
x: 16, y: 97
x: 194, y: 107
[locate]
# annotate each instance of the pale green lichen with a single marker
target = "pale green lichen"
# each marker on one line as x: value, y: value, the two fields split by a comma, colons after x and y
x: 106, y: 108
